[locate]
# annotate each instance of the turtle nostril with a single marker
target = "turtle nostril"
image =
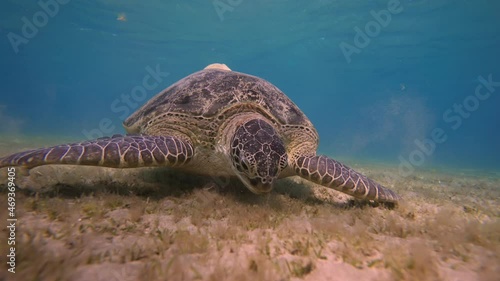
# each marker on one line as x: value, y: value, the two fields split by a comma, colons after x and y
x: 267, y: 180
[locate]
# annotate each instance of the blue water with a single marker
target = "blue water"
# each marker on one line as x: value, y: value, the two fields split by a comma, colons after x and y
x: 70, y: 73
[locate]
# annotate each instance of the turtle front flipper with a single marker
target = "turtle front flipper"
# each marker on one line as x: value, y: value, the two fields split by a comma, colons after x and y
x: 117, y: 152
x: 333, y: 174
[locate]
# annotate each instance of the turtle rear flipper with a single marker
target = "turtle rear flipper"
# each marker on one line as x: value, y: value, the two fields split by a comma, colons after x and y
x: 333, y: 174
x: 117, y: 152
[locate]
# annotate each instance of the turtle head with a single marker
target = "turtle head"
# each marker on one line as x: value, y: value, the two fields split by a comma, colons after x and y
x: 258, y: 155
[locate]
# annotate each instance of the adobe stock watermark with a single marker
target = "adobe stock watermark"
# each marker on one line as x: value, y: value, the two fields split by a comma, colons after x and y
x: 453, y: 116
x: 222, y: 7
x: 372, y: 29
x: 30, y: 28
x: 128, y: 102
x: 11, y: 219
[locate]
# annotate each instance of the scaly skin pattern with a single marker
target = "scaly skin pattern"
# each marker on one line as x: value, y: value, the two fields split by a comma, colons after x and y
x: 258, y: 153
x: 333, y: 174
x: 117, y: 151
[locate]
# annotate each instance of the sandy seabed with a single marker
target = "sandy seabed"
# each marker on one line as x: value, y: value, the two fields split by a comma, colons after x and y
x: 90, y: 223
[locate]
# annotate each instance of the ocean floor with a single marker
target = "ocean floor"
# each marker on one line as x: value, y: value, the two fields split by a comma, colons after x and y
x: 89, y: 223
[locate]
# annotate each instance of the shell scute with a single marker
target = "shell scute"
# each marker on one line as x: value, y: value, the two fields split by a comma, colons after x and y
x: 208, y: 93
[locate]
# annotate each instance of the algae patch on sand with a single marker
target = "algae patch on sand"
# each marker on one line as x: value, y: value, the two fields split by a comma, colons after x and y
x: 81, y: 223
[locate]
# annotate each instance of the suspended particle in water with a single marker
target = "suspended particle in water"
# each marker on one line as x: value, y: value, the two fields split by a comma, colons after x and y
x: 121, y: 17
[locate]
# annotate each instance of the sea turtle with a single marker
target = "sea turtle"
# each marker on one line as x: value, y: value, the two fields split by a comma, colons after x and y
x: 217, y: 122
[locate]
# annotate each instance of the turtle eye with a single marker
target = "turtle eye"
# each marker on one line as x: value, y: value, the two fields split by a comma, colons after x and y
x: 245, y: 160
x: 240, y: 159
x: 244, y: 164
